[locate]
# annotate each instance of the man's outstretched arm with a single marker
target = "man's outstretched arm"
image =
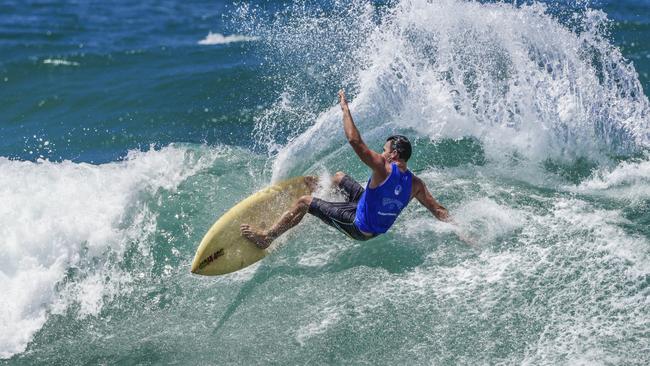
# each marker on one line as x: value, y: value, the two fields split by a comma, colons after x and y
x: 421, y: 193
x: 373, y: 160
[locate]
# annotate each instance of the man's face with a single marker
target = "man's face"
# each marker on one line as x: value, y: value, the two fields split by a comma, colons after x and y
x: 389, y: 154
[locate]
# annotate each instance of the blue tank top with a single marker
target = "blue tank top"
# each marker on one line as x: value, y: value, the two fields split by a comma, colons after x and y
x: 379, y: 207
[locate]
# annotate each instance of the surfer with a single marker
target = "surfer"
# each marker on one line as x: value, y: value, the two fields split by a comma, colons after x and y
x: 366, y: 213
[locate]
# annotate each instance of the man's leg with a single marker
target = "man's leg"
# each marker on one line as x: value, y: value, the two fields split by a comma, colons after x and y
x: 336, y: 178
x: 288, y: 220
x: 295, y: 214
x: 352, y: 189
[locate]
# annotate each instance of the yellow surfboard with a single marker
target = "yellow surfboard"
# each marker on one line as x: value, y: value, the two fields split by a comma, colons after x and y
x: 224, y: 250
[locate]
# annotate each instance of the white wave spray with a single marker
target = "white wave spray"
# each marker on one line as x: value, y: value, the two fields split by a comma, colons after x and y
x: 57, y: 216
x: 515, y: 78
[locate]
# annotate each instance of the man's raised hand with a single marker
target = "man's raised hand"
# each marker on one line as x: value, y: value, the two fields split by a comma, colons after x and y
x: 342, y: 99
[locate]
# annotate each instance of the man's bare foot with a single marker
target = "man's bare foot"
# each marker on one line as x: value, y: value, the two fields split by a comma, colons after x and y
x: 257, y: 237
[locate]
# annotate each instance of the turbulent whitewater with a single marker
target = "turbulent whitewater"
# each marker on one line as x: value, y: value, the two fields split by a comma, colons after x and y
x: 123, y: 144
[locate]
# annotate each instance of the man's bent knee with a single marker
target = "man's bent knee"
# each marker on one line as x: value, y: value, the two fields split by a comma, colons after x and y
x: 304, y: 202
x: 337, y: 178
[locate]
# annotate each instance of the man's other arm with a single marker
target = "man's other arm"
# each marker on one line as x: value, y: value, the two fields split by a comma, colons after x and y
x: 421, y: 193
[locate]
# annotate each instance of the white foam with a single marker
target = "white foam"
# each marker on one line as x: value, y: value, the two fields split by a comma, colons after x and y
x: 59, y: 62
x: 603, y: 259
x: 91, y: 295
x: 603, y: 228
x: 329, y: 317
x: 486, y: 219
x: 218, y: 38
x: 629, y: 180
x: 56, y: 214
x: 317, y: 257
x: 573, y: 270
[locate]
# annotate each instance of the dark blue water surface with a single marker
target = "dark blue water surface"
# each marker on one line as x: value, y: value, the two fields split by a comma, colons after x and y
x: 128, y: 75
x: 94, y: 79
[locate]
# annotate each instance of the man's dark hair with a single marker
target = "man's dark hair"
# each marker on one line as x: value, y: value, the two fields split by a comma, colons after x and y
x: 402, y: 145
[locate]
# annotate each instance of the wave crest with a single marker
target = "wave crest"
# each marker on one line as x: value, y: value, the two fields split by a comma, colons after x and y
x: 218, y: 38
x: 513, y: 77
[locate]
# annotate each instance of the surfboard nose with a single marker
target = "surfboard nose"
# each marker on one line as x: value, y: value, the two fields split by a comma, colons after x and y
x: 195, y: 267
x: 196, y: 264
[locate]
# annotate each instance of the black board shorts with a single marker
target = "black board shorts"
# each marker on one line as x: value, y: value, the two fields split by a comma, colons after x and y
x: 340, y: 215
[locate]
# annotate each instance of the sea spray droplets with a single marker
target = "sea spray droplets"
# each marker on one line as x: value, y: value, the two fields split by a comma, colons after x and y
x: 309, y: 53
x: 515, y: 78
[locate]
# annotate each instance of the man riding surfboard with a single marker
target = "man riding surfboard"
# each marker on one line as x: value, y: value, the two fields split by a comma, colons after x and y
x: 368, y: 212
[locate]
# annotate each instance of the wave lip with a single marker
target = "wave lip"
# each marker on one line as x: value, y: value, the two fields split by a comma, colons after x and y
x: 452, y: 70
x: 629, y: 180
x: 218, y: 38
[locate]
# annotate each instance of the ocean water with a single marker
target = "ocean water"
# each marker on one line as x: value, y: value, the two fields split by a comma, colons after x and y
x: 127, y: 128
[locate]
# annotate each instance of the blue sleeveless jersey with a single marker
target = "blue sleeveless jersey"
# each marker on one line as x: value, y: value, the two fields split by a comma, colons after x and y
x: 379, y: 207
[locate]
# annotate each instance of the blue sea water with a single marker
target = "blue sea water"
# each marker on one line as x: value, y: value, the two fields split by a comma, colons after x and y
x: 128, y: 128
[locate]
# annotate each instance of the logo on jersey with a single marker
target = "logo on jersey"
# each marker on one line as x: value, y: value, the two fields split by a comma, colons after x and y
x: 398, y: 190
